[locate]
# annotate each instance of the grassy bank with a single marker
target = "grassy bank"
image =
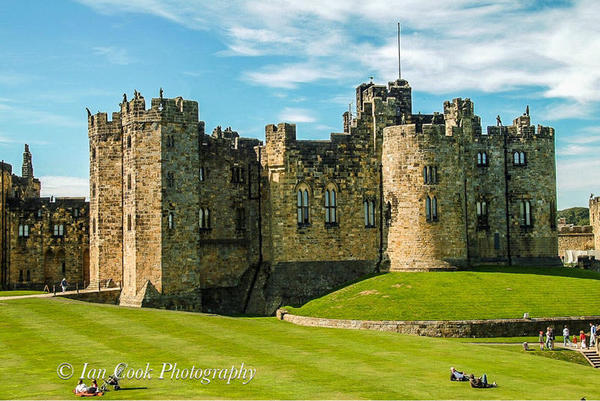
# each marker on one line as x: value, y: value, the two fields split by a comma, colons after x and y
x: 485, y: 293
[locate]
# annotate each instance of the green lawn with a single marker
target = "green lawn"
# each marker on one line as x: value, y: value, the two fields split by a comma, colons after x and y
x: 19, y: 292
x: 292, y: 362
x: 488, y: 292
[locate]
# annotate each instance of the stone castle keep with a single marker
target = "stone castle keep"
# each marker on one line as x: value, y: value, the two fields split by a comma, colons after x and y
x: 229, y: 224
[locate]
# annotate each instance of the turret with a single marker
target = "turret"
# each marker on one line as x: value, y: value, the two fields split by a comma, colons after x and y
x: 27, y: 169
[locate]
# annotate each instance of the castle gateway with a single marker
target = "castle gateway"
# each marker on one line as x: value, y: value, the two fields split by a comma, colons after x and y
x: 229, y: 224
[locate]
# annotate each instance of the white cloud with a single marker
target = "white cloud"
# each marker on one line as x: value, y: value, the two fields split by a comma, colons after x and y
x: 113, y: 55
x: 450, y: 46
x: 288, y: 76
x: 295, y: 115
x: 64, y: 186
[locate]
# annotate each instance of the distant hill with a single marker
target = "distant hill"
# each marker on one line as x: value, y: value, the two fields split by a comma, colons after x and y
x: 576, y: 215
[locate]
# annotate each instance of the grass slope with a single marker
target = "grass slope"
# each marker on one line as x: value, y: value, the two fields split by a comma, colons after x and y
x: 292, y: 362
x: 485, y: 293
x: 19, y: 292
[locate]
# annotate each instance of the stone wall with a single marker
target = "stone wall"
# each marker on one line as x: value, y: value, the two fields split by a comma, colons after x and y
x: 594, y: 210
x: 456, y: 328
x: 575, y: 238
x: 45, y: 256
x: 106, y: 296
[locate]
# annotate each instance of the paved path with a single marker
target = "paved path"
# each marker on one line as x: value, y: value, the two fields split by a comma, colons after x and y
x: 58, y: 294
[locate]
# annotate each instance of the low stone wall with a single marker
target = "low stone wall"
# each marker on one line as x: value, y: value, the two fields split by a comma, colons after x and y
x: 451, y: 328
x: 106, y: 296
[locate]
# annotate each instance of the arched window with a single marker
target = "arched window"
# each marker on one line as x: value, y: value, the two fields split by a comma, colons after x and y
x: 434, y: 210
x: 24, y: 230
x: 330, y: 206
x: 369, y: 209
x: 428, y: 208
x: 430, y: 175
x: 204, y: 219
x: 302, y: 205
x: 482, y: 214
x: 482, y: 159
x: 519, y: 158
x: 59, y: 230
x: 525, y: 213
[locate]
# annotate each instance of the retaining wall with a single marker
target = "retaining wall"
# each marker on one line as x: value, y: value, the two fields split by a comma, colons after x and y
x: 451, y: 328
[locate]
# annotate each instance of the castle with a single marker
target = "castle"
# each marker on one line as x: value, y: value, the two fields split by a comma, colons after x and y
x: 222, y: 223
x: 42, y: 239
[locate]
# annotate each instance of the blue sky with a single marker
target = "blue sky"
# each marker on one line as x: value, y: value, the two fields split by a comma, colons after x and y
x: 252, y: 63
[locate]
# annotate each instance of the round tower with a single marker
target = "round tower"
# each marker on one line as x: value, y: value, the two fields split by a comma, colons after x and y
x: 423, y: 189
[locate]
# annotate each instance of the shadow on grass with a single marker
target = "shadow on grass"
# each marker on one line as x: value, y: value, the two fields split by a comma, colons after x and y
x: 542, y: 271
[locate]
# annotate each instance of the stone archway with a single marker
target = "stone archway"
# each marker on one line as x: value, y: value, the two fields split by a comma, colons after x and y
x: 49, y: 268
x: 61, y: 265
x: 86, y: 267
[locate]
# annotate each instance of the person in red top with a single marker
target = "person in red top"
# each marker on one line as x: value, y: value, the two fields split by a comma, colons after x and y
x: 582, y: 339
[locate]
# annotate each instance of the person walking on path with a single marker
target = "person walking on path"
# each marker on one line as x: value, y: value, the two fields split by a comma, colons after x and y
x: 64, y: 284
x: 566, y: 334
x: 549, y: 338
x: 541, y: 340
x: 592, y: 335
x: 582, y: 339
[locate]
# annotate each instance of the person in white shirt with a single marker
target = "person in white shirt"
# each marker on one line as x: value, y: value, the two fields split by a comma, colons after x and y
x: 592, y: 334
x: 81, y: 387
x: 455, y: 375
x: 566, y: 334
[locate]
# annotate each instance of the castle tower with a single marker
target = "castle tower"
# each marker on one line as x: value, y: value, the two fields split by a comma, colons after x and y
x: 160, y: 197
x: 27, y: 169
x: 423, y: 190
x: 106, y: 217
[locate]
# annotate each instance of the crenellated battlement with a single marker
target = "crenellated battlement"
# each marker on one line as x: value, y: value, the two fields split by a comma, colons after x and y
x: 161, y: 109
x: 399, y: 90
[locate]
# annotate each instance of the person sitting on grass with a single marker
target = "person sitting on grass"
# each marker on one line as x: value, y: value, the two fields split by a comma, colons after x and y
x: 480, y: 382
x: 93, y: 388
x: 455, y: 375
x: 81, y: 387
x: 525, y: 346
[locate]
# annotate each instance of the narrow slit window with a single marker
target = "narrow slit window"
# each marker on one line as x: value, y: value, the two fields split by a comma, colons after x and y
x: 428, y: 208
